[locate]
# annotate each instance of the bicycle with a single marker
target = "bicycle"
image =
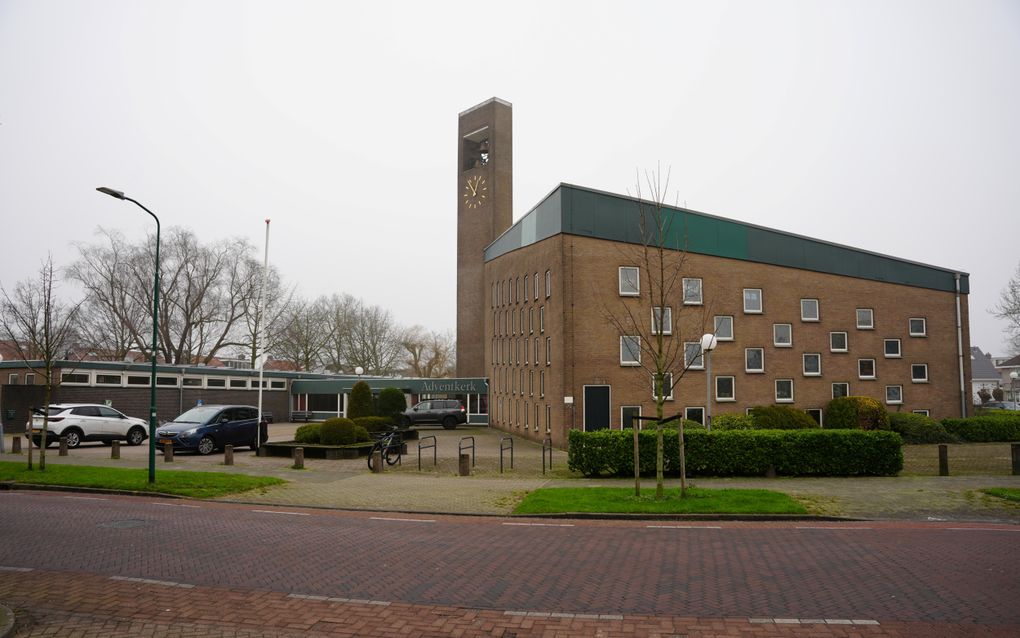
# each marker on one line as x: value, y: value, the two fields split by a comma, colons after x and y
x: 389, y: 444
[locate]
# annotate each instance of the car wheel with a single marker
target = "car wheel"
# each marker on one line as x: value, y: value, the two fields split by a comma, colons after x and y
x: 73, y: 438
x: 135, y: 436
x: 450, y: 423
x: 206, y: 445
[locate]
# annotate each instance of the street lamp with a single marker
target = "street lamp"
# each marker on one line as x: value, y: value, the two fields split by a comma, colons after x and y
x: 708, y: 344
x: 155, y: 317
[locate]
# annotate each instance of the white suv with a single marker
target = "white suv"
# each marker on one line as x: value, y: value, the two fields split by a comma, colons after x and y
x: 80, y: 422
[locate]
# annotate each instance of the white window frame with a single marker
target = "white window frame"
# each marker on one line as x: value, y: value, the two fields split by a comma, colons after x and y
x: 914, y: 379
x: 541, y: 321
x: 870, y: 325
x: 548, y: 351
x: 784, y: 399
x: 541, y: 383
x: 926, y: 413
x: 846, y: 342
x: 821, y: 415
x: 818, y: 313
x: 620, y: 279
x: 804, y: 360
x: 924, y: 326
x: 668, y: 397
x: 691, y: 301
x: 548, y: 284
x: 733, y: 386
x: 750, y: 370
x: 843, y: 383
x: 209, y: 385
x: 874, y: 369
x: 636, y: 422
x: 29, y: 378
x: 526, y: 296
x: 177, y: 381
x: 12, y: 378
x: 687, y: 411
x: 715, y: 325
x: 899, y: 349
x: 761, y: 302
x: 119, y: 384
x: 775, y: 335
x: 667, y: 320
x: 690, y: 364
x: 898, y: 401
x: 87, y: 381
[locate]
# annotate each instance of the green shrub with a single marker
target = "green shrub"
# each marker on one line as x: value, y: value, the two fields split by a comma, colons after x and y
x: 361, y: 401
x: 781, y: 417
x: 308, y: 434
x: 917, y: 428
x: 671, y: 425
x: 373, y: 423
x: 863, y: 413
x: 813, y: 452
x: 997, y: 428
x: 732, y: 421
x: 342, y: 432
x: 391, y: 403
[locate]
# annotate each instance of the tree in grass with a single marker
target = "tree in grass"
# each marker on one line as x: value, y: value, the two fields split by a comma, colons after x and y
x: 361, y: 401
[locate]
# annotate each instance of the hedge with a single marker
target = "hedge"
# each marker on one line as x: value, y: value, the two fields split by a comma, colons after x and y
x: 812, y: 452
x: 917, y: 428
x: 361, y: 401
x: 781, y: 417
x: 856, y: 412
x: 341, y: 432
x: 308, y: 434
x: 391, y: 404
x: 374, y: 423
x: 999, y: 428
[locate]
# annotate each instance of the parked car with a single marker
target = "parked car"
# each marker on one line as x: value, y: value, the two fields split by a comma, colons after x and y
x: 1000, y: 405
x: 208, y: 428
x: 446, y: 412
x: 80, y: 422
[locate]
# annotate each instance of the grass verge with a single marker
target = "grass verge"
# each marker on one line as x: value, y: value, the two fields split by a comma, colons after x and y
x: 1008, y: 493
x: 194, y: 484
x: 555, y: 500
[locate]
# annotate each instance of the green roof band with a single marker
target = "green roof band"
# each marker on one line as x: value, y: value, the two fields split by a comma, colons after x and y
x: 572, y: 210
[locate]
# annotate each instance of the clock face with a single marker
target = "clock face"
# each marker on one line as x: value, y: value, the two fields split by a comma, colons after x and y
x: 476, y: 192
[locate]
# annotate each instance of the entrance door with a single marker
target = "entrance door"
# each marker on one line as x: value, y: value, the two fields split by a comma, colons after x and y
x: 596, y: 407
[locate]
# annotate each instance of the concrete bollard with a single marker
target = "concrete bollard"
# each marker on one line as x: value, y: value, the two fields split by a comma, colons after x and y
x: 63, y: 446
x: 943, y: 460
x: 464, y: 468
x: 16, y: 445
x: 1015, y: 449
x: 377, y: 462
x: 262, y: 451
x: 228, y: 455
x: 168, y: 452
x: 115, y: 450
x: 299, y: 458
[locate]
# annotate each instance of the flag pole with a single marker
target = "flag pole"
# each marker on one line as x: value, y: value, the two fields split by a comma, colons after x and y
x: 259, y: 348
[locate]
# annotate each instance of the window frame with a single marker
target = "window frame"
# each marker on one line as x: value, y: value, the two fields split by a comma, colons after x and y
x: 898, y: 401
x: 701, y: 291
x: 75, y: 373
x: 668, y: 397
x: 687, y: 412
x: 924, y: 327
x: 874, y: 370
x: 821, y: 415
x: 701, y: 355
x: 761, y: 302
x: 922, y: 412
x: 623, y: 424
x: 804, y: 360
x: 620, y: 279
x: 818, y: 313
x: 842, y: 383
x: 914, y: 379
x: 715, y: 326
x: 747, y: 368
x: 776, y: 393
x: 775, y: 335
x: 636, y: 340
x: 733, y: 389
x: 871, y: 316
x: 846, y: 341
x: 668, y: 323
x: 548, y: 284
x: 899, y: 349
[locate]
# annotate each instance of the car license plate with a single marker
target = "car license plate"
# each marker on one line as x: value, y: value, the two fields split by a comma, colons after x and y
x: 164, y: 441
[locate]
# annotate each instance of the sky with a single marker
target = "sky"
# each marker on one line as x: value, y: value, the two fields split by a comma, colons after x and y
x: 891, y: 126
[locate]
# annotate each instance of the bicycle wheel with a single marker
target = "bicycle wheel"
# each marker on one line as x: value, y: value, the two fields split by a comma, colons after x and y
x: 392, y: 454
x: 375, y: 448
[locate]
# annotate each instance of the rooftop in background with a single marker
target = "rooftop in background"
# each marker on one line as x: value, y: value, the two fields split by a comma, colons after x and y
x: 574, y: 210
x: 981, y: 365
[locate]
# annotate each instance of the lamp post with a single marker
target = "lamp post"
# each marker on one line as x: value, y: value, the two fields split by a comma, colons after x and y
x: 155, y: 325
x: 708, y: 344
x: 1014, y: 378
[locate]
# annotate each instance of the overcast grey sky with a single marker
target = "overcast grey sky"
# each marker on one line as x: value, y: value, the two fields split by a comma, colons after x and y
x: 889, y: 126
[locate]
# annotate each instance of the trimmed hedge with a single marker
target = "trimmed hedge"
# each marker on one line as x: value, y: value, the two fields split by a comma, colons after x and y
x: 732, y: 421
x: 308, y: 434
x: 391, y: 403
x: 341, y: 432
x: 361, y: 401
x: 812, y: 452
x: 917, y: 428
x: 374, y: 423
x: 999, y: 428
x: 862, y: 413
x: 781, y: 417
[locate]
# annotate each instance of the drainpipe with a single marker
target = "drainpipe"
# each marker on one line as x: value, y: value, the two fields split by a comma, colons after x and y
x: 959, y: 349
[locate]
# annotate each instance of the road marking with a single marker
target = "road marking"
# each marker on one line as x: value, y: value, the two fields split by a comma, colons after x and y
x: 150, y: 581
x: 276, y: 512
x: 332, y: 599
x: 809, y: 621
x: 833, y: 527
x: 980, y: 529
x: 541, y: 524
x: 4, y: 568
x: 177, y: 505
x: 402, y: 520
x: 683, y: 526
x: 87, y: 498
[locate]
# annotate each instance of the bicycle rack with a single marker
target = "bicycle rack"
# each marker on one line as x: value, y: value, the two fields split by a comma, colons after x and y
x: 547, y: 445
x: 503, y: 447
x: 461, y: 447
x: 421, y: 447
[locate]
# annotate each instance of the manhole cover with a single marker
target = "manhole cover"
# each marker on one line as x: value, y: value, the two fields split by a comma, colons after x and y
x: 126, y: 523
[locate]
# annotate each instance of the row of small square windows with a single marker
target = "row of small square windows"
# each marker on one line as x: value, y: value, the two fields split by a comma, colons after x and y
x: 782, y: 333
x: 725, y: 390
x: 697, y: 413
x: 505, y: 382
x: 510, y: 291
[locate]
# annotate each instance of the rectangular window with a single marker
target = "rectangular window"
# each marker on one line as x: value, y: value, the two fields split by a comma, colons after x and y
x: 12, y: 378
x: 531, y: 320
x: 74, y: 378
x: 752, y: 301
x: 215, y: 383
x: 29, y: 378
x: 525, y: 298
x: 894, y: 394
x: 692, y: 292
x: 662, y: 320
x: 865, y: 319
x: 918, y: 327
x: 724, y: 328
x: 724, y: 390
x: 541, y: 319
x: 521, y: 324
x: 548, y: 284
x: 630, y: 350
x: 627, y: 414
x: 513, y: 322
x: 782, y: 335
x: 536, y: 286
x: 922, y: 412
x: 548, y: 419
x: 812, y: 364
x: 139, y: 380
x: 526, y: 350
x: 537, y: 341
x: 278, y: 385
x: 239, y: 383
x: 892, y: 349
x: 784, y: 390
x: 541, y: 383
x: 866, y: 368
x: 519, y: 298
x: 816, y: 414
x: 548, y: 351
x: 837, y: 342
x: 840, y: 390
x: 693, y: 359
x: 809, y: 310
x: 168, y: 382
x: 510, y: 290
x: 754, y: 360
x: 695, y: 414
x: 108, y: 379
x: 531, y: 382
x: 630, y: 281
x: 667, y: 386
x: 919, y: 373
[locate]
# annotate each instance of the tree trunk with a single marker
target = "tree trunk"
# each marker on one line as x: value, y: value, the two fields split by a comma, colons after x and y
x: 46, y: 419
x: 683, y: 461
x: 637, y: 462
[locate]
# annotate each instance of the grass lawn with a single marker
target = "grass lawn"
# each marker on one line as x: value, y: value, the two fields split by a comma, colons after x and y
x: 1008, y: 493
x: 195, y: 484
x: 621, y: 500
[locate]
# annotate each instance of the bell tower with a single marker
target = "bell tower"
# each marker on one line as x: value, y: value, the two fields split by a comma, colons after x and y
x: 484, y: 212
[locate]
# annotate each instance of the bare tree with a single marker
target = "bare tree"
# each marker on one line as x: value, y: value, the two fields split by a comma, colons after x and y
x: 374, y: 341
x: 1008, y: 309
x: 341, y: 313
x: 43, y: 331
x: 304, y: 337
x: 650, y: 331
x: 428, y: 353
x: 266, y: 321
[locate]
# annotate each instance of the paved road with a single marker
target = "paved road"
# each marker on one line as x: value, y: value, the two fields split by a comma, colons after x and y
x: 960, y: 575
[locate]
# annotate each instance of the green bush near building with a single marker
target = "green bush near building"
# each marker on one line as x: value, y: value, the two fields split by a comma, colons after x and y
x: 308, y: 434
x: 732, y: 421
x: 997, y: 428
x: 856, y: 413
x: 391, y: 404
x: 917, y: 428
x: 342, y: 432
x: 373, y: 423
x: 361, y: 401
x: 781, y: 417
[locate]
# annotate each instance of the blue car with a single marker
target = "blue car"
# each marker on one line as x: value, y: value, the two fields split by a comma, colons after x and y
x: 208, y: 428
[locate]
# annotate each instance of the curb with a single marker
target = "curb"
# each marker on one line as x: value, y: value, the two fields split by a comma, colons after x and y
x: 6, y: 621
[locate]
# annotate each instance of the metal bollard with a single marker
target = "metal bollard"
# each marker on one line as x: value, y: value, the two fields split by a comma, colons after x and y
x: 63, y: 446
x: 377, y: 462
x: 943, y: 460
x: 1015, y: 449
x: 168, y: 452
x: 465, y: 465
x: 228, y: 455
x: 16, y: 445
x: 115, y: 450
x: 299, y: 458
